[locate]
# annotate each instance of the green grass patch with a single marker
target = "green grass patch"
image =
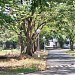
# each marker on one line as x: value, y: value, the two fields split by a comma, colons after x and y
x: 11, y: 51
x: 24, y: 70
x: 4, y: 74
x: 19, y: 70
x: 71, y: 52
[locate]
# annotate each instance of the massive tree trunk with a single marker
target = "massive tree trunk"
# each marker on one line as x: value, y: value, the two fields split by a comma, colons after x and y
x: 27, y: 27
x: 29, y: 45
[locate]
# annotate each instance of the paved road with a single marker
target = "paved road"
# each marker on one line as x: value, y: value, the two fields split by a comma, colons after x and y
x: 59, y: 63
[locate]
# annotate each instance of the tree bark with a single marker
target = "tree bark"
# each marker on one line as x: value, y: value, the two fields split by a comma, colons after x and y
x: 21, y: 42
x: 71, y: 44
x: 35, y: 45
x: 31, y: 46
x: 21, y: 1
x: 29, y: 49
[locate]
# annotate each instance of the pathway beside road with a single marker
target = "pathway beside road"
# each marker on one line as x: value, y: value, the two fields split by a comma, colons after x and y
x: 58, y: 63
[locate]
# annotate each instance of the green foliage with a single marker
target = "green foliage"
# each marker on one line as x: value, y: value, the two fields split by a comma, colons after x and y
x: 38, y: 3
x: 8, y: 35
x: 24, y: 70
x: 67, y: 12
x: 5, y: 18
x: 3, y: 2
x: 27, y: 18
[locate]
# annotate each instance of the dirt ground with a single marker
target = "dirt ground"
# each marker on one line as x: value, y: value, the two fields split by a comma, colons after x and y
x: 14, y: 61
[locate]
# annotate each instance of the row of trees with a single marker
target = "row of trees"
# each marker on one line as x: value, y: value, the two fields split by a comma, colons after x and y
x: 26, y: 16
x: 66, y: 21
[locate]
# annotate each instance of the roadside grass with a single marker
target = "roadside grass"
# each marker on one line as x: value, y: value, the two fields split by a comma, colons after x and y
x: 19, y: 70
x: 24, y: 70
x: 71, y: 52
x: 24, y: 65
x: 3, y: 74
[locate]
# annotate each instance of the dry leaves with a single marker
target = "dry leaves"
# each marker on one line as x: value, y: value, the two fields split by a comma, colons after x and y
x: 25, y: 62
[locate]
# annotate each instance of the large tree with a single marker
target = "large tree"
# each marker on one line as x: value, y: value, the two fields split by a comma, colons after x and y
x: 26, y: 19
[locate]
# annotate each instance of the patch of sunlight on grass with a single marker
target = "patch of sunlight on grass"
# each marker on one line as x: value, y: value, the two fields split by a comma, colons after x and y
x: 11, y: 51
x: 71, y: 52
